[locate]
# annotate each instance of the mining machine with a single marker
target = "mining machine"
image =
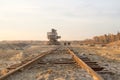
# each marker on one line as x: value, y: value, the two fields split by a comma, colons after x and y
x: 53, y: 37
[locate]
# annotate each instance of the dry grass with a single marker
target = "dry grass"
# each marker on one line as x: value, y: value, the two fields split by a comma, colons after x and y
x: 3, y: 72
x: 108, y: 53
x: 5, y: 54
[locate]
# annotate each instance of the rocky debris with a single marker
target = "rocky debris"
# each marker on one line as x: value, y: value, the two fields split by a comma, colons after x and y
x: 107, y: 58
x: 64, y: 72
x: 53, y: 71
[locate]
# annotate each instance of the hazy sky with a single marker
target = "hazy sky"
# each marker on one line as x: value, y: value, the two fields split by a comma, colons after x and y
x: 74, y: 19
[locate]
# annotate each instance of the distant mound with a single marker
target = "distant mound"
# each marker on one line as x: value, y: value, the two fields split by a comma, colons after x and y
x: 116, y: 43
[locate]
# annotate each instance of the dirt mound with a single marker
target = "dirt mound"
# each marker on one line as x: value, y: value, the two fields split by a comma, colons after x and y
x: 116, y: 43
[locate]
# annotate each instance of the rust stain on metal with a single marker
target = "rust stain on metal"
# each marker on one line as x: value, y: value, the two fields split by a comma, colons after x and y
x: 85, y: 66
x: 24, y: 65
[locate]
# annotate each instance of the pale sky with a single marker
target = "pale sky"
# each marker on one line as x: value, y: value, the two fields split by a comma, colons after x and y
x: 74, y: 19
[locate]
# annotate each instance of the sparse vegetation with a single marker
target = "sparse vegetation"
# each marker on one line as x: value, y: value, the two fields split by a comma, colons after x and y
x: 103, y: 39
x: 107, y: 38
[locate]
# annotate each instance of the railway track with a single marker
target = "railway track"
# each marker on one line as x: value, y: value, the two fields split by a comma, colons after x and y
x: 18, y: 67
x: 86, y: 64
x: 54, y: 58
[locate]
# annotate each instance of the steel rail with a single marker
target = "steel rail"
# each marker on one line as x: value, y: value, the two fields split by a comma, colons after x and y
x: 82, y: 64
x: 26, y: 64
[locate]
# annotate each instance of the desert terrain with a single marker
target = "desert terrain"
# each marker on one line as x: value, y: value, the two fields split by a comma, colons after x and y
x: 15, y: 52
x: 108, y: 57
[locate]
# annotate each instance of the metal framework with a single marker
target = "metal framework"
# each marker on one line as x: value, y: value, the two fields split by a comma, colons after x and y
x: 53, y: 37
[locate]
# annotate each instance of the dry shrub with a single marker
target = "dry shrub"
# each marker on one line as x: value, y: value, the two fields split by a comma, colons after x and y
x: 3, y: 71
x: 19, y: 56
x: 49, y: 71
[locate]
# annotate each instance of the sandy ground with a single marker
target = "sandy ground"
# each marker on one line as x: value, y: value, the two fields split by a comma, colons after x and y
x: 107, y: 57
x: 9, y: 56
x: 50, y: 71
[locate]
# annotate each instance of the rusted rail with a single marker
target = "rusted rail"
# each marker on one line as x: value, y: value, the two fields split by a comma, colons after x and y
x: 23, y: 65
x: 76, y: 59
x: 82, y: 64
